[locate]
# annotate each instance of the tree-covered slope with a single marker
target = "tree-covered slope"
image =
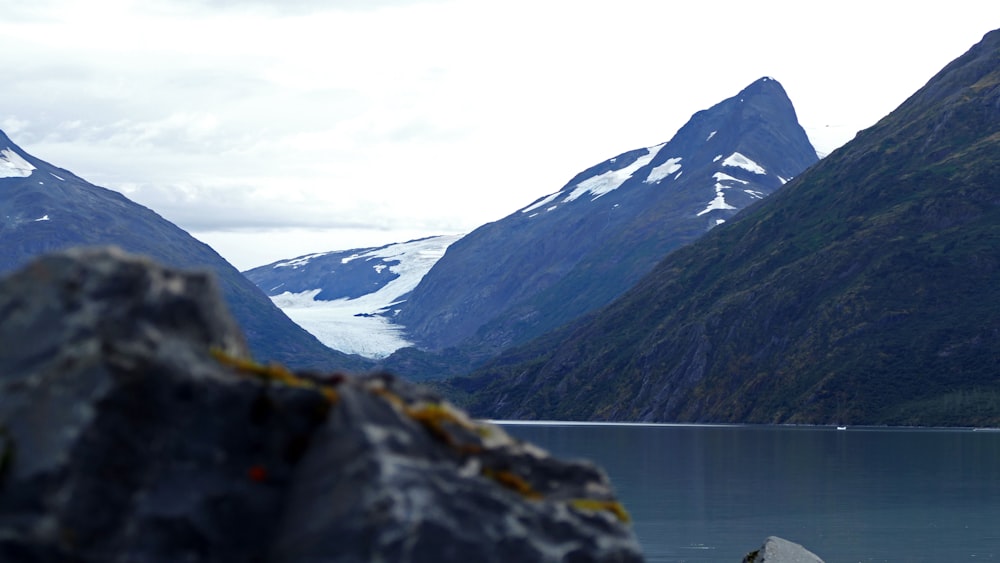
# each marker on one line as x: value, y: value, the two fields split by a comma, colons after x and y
x: 865, y: 291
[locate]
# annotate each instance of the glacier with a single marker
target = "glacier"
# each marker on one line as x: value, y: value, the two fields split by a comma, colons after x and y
x: 362, y: 325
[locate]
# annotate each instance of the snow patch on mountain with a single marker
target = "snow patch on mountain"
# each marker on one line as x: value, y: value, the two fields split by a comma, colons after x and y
x: 719, y: 202
x: 544, y: 201
x: 739, y: 161
x: 723, y: 177
x: 361, y: 325
x: 663, y: 170
x: 612, y: 179
x: 12, y: 165
x: 297, y: 263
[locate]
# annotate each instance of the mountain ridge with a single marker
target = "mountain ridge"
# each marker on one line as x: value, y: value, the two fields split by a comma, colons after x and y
x: 46, y: 208
x: 576, y: 249
x: 861, y: 293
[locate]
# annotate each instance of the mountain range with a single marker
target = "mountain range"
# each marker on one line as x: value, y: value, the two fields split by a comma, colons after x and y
x: 561, y: 256
x: 865, y: 291
x: 722, y: 276
x: 576, y: 249
x: 45, y: 208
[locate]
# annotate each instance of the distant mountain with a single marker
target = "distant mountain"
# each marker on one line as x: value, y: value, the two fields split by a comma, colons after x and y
x: 580, y: 247
x: 45, y: 208
x: 347, y: 298
x: 867, y: 291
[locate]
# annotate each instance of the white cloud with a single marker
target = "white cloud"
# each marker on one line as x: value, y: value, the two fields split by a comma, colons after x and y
x: 229, y: 116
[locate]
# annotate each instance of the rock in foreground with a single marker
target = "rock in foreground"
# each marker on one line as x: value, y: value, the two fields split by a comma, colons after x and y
x: 134, y: 428
x: 778, y: 550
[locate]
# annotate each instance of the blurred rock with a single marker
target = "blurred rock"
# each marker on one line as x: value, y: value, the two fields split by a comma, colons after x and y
x: 778, y: 550
x: 134, y: 428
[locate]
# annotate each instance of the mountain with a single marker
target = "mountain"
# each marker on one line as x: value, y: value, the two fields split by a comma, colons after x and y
x: 348, y: 298
x: 866, y: 291
x: 578, y: 248
x: 45, y: 208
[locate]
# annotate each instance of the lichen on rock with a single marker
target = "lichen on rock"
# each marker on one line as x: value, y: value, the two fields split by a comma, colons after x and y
x: 144, y: 431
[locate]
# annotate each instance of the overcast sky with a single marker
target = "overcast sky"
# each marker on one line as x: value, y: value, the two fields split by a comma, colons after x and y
x: 275, y: 128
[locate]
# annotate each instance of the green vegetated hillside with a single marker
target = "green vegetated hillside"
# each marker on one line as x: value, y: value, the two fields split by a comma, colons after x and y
x: 867, y: 291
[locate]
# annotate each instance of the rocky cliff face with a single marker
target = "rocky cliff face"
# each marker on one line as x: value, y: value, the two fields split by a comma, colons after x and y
x: 134, y: 428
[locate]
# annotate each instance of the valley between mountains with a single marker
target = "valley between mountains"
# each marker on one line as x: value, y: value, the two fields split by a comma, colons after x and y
x: 726, y: 274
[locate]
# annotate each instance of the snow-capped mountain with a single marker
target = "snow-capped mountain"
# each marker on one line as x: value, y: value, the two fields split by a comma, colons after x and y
x: 580, y: 247
x: 44, y: 208
x: 863, y: 293
x: 347, y: 298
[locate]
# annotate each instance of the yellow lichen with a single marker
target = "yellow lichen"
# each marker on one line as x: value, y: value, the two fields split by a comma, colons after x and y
x: 330, y: 393
x: 595, y: 505
x: 512, y: 481
x: 389, y: 396
x: 434, y: 417
x: 272, y: 372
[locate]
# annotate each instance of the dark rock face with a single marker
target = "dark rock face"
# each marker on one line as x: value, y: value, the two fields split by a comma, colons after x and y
x: 421, y: 482
x: 132, y: 428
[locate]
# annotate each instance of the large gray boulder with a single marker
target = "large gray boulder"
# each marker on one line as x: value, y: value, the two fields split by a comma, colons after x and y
x: 779, y: 550
x: 133, y: 427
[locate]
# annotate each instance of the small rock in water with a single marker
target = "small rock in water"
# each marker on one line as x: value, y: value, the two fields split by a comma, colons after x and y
x: 778, y: 550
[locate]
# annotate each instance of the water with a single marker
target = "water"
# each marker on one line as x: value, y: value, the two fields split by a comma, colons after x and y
x: 713, y: 493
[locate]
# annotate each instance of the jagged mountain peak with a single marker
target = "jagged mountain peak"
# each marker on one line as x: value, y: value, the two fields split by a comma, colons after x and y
x: 579, y: 247
x: 743, y: 123
x: 728, y: 137
x: 726, y: 129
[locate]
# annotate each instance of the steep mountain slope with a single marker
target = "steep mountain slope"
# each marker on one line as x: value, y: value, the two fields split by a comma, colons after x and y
x: 866, y: 291
x: 347, y: 298
x: 580, y: 247
x: 44, y: 208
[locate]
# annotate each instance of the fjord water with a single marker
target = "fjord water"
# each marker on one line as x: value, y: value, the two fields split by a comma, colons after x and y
x: 713, y: 493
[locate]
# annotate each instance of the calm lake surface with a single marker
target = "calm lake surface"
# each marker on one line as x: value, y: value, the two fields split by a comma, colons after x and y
x: 713, y: 493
